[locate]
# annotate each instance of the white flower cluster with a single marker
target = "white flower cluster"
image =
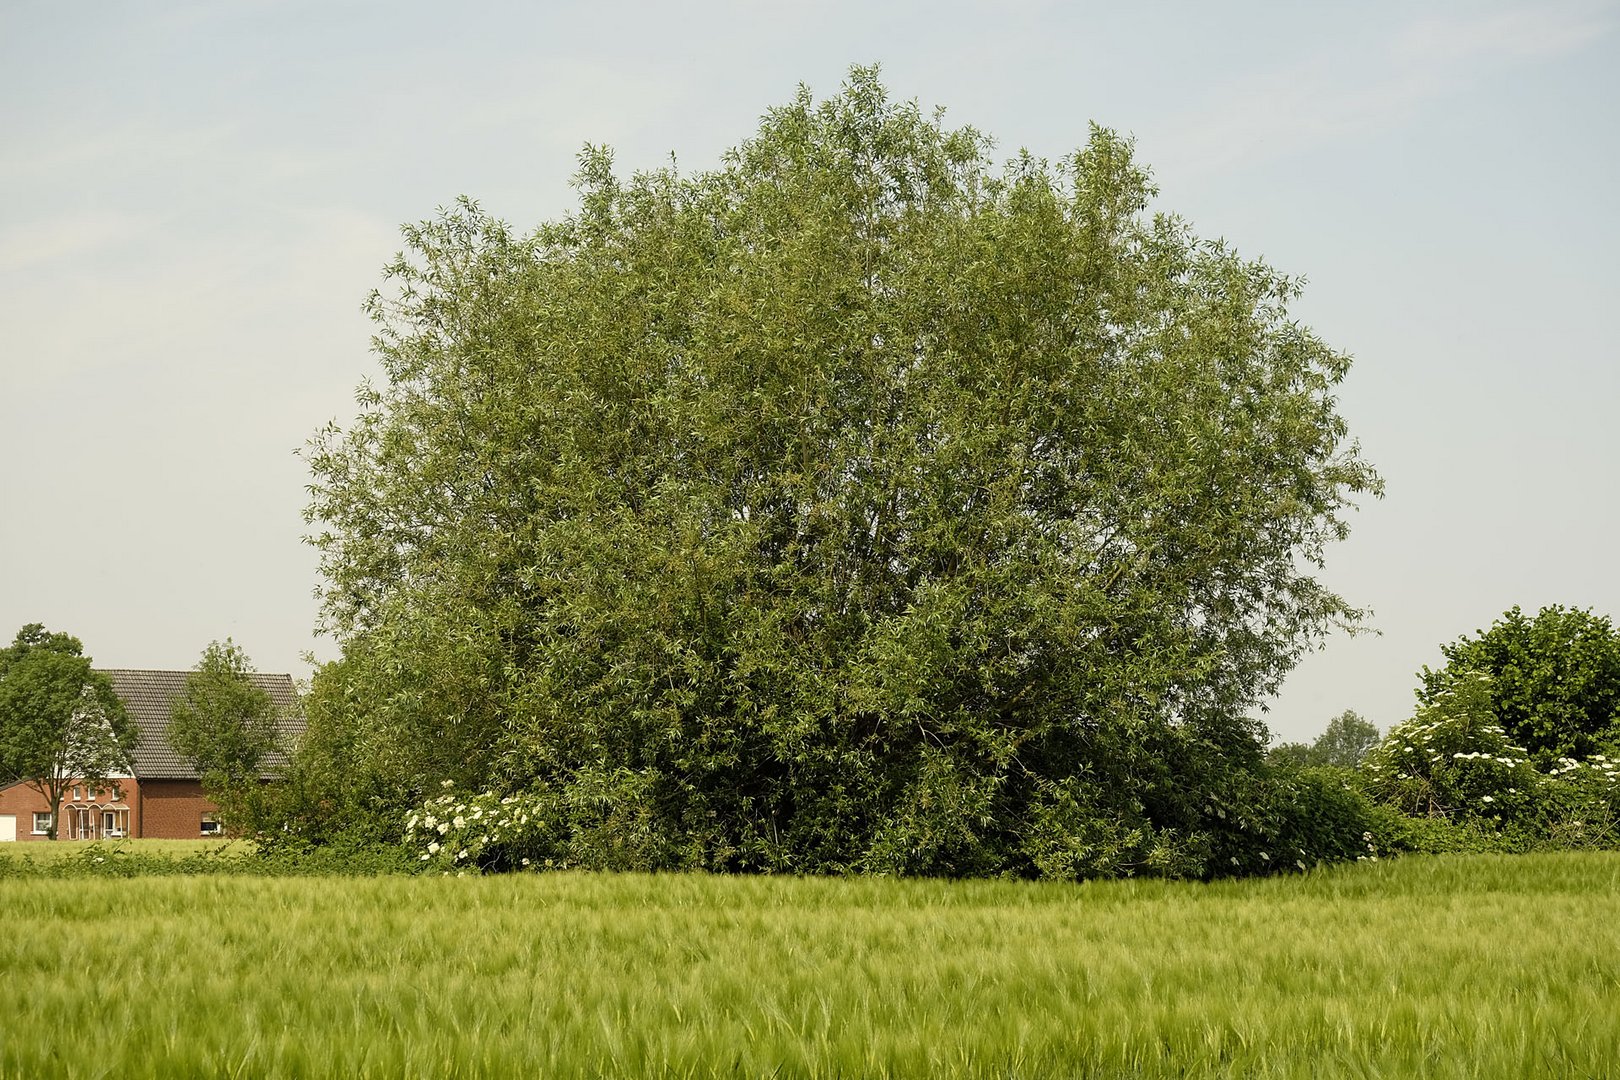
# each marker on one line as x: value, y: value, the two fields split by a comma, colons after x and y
x: 1451, y: 761
x: 1413, y: 749
x: 455, y: 830
x: 1480, y: 755
x: 1597, y: 767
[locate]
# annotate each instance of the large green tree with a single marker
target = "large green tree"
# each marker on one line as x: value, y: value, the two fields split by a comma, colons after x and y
x: 1555, y: 679
x: 855, y: 505
x: 60, y: 721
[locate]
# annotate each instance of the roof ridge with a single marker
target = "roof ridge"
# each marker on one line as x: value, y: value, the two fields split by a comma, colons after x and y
x: 182, y: 671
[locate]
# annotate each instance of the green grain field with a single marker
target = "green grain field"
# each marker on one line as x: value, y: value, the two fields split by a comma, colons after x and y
x: 1442, y: 967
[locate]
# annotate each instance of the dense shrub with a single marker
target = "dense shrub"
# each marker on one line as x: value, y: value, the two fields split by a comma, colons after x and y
x: 1324, y: 816
x: 1463, y: 786
x: 1282, y: 819
x: 1580, y: 804
x: 1453, y: 760
x: 1555, y: 679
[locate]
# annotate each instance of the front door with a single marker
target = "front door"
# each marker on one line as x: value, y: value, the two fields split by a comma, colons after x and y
x: 84, y: 823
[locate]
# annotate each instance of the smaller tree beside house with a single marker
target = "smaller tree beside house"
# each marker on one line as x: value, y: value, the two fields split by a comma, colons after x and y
x: 226, y: 726
x: 60, y: 721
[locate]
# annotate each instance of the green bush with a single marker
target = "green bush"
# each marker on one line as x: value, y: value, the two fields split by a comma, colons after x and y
x: 1463, y: 787
x: 1326, y: 817
x: 1555, y: 679
x: 291, y: 859
x: 1453, y: 760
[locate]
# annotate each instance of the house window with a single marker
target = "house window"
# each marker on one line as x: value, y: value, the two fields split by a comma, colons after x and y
x: 42, y: 822
x: 210, y: 825
x: 78, y: 794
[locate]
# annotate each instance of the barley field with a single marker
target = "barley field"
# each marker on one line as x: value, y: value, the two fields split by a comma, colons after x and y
x: 1422, y: 967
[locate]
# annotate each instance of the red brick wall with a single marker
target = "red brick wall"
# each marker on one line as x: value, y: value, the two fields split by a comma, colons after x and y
x: 161, y: 809
x: 21, y: 801
x: 172, y: 809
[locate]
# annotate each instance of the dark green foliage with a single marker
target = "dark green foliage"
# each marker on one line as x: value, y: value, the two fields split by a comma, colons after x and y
x: 350, y: 782
x: 854, y: 507
x: 60, y: 722
x: 1555, y: 679
x: 1325, y: 816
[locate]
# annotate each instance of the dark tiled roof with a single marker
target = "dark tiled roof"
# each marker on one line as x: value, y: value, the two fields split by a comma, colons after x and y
x: 149, y: 698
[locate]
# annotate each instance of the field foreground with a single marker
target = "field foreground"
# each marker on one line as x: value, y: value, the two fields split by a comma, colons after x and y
x: 1441, y: 967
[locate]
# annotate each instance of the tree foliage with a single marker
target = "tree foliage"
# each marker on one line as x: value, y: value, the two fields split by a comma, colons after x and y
x: 60, y: 721
x: 225, y: 725
x: 1555, y: 679
x: 856, y: 505
x: 1346, y: 740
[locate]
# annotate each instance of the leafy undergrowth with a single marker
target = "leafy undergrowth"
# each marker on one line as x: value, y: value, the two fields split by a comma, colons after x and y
x: 1487, y: 966
x: 54, y: 851
x: 168, y: 858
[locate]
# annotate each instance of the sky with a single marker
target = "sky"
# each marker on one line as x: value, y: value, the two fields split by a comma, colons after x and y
x: 195, y: 199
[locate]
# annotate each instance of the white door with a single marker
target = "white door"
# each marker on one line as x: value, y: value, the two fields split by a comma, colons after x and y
x: 8, y: 827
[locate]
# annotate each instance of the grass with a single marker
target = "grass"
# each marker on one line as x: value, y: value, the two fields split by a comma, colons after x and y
x: 1478, y: 966
x: 49, y: 851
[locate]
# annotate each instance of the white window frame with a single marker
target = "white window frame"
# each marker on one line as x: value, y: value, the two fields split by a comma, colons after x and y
x: 207, y: 820
x: 46, y: 831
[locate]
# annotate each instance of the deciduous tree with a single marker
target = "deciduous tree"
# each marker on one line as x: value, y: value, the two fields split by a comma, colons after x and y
x: 856, y: 505
x: 1343, y: 744
x: 60, y: 721
x: 223, y: 723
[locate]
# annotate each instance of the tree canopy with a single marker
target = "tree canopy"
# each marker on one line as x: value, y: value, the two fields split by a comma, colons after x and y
x: 1346, y: 740
x: 1555, y: 679
x: 855, y: 505
x: 221, y: 721
x: 60, y: 721
x: 226, y: 725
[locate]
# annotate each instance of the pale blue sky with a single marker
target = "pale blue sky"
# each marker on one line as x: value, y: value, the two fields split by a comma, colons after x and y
x: 197, y: 197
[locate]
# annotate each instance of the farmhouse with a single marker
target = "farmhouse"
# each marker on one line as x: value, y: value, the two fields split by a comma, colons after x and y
x: 162, y: 796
